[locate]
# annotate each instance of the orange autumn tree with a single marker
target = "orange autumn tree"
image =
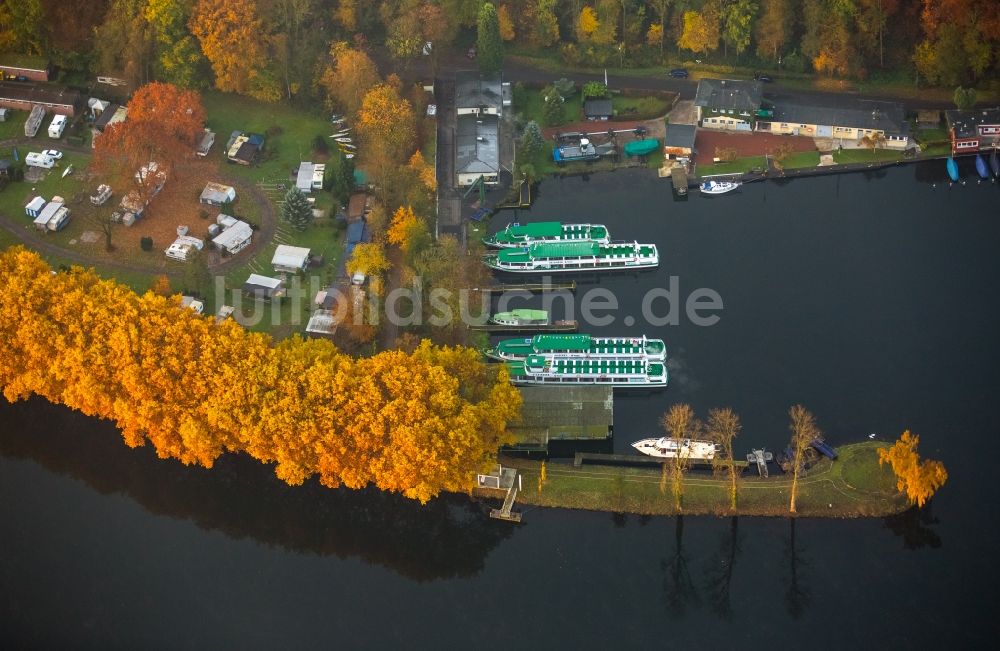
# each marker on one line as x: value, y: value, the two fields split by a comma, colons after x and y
x: 387, y: 126
x: 408, y: 231
x: 232, y: 37
x: 416, y: 423
x: 163, y: 126
x: 349, y: 76
x: 919, y: 480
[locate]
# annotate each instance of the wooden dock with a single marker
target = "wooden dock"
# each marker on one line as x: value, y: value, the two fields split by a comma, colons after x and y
x: 558, y: 326
x: 613, y: 459
x: 527, y: 287
x: 680, y: 178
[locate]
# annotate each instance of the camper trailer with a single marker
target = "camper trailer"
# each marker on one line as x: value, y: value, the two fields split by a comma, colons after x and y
x: 57, y: 126
x: 53, y: 217
x: 35, y: 159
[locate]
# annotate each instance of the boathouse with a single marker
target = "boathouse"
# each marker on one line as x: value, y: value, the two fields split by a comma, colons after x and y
x: 973, y: 130
x: 562, y: 413
x: 679, y: 141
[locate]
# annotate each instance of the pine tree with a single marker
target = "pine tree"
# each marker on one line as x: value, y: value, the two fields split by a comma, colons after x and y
x: 488, y: 43
x: 296, y: 210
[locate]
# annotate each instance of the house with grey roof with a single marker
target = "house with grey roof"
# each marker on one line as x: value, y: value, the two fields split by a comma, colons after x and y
x: 477, y: 149
x: 728, y: 103
x: 973, y: 130
x: 849, y: 121
x: 477, y: 94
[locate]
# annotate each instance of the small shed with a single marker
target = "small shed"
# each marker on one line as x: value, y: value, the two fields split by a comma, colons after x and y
x: 322, y: 323
x: 263, y: 287
x: 34, y: 207
x: 290, y: 259
x: 216, y: 194
x: 357, y: 232
x: 679, y: 141
x: 236, y: 237
x: 598, y: 109
x: 356, y: 206
x: 242, y: 147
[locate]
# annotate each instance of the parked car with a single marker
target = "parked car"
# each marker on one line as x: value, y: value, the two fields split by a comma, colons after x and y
x: 53, y: 153
x: 762, y: 78
x: 679, y: 73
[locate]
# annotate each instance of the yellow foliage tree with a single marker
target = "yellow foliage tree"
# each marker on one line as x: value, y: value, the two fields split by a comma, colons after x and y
x: 918, y: 479
x: 408, y: 231
x: 230, y: 34
x: 654, y: 37
x: 424, y: 172
x: 161, y: 286
x: 414, y: 423
x: 587, y: 24
x: 701, y: 32
x: 369, y: 258
x: 506, y: 24
x: 347, y: 79
x: 388, y: 128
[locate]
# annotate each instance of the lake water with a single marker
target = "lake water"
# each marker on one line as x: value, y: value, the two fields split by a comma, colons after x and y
x: 868, y: 298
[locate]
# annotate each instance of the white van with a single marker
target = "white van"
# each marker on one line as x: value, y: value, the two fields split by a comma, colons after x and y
x: 57, y: 126
x: 35, y: 159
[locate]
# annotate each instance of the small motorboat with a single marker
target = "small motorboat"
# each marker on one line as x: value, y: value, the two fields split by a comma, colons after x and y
x: 348, y: 156
x: 350, y: 148
x: 336, y: 117
x: 344, y: 140
x: 953, y: 170
x: 718, y: 187
x: 981, y: 168
x: 994, y: 163
x: 68, y: 171
x: 671, y: 448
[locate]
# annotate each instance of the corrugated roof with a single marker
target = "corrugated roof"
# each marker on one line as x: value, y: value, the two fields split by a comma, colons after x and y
x: 568, y: 413
x: 290, y: 256
x: 680, y: 136
x: 235, y: 234
x: 598, y: 108
x: 475, y: 91
x: 263, y: 281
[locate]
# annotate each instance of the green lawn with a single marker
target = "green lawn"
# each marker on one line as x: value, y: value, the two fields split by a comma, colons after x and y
x: 866, y: 156
x: 854, y: 485
x: 639, y: 108
x: 801, y: 159
x: 738, y: 166
x: 531, y: 104
x: 289, y: 133
x: 13, y: 198
x: 13, y: 126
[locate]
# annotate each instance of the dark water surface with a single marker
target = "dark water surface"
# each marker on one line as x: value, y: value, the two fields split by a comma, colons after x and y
x: 869, y: 298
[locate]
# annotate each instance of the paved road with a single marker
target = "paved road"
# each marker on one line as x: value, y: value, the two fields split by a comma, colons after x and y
x: 515, y: 70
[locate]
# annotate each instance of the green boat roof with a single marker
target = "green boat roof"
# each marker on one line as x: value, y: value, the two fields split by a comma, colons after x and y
x: 513, y: 255
x: 523, y: 313
x: 538, y: 229
x: 564, y: 249
x: 562, y: 342
x: 516, y: 369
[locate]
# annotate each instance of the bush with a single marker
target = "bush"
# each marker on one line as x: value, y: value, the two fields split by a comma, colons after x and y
x: 227, y: 208
x: 594, y: 89
x: 552, y: 111
x: 795, y: 62
x: 570, y: 54
x: 203, y: 214
x: 146, y: 243
x: 564, y: 87
x: 320, y: 145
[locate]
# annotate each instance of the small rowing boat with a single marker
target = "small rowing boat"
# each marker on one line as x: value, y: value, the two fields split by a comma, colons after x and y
x: 952, y: 170
x: 981, y: 169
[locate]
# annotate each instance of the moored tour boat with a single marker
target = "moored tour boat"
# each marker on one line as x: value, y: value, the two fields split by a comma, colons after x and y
x: 718, y: 187
x: 580, y: 346
x: 516, y: 235
x: 541, y: 369
x: 521, y: 317
x: 574, y: 256
x: 672, y: 448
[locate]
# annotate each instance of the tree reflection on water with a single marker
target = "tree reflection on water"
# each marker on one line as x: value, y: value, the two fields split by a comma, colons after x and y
x: 449, y: 537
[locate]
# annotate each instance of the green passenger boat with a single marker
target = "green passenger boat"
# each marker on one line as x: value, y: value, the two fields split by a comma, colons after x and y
x: 516, y: 235
x: 579, y: 346
x: 574, y: 256
x: 521, y: 317
x: 542, y: 369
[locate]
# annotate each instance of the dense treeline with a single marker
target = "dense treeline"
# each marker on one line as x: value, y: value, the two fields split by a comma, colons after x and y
x: 416, y: 423
x: 272, y: 49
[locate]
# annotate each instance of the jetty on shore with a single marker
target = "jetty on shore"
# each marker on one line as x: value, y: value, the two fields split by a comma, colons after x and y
x: 501, y: 288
